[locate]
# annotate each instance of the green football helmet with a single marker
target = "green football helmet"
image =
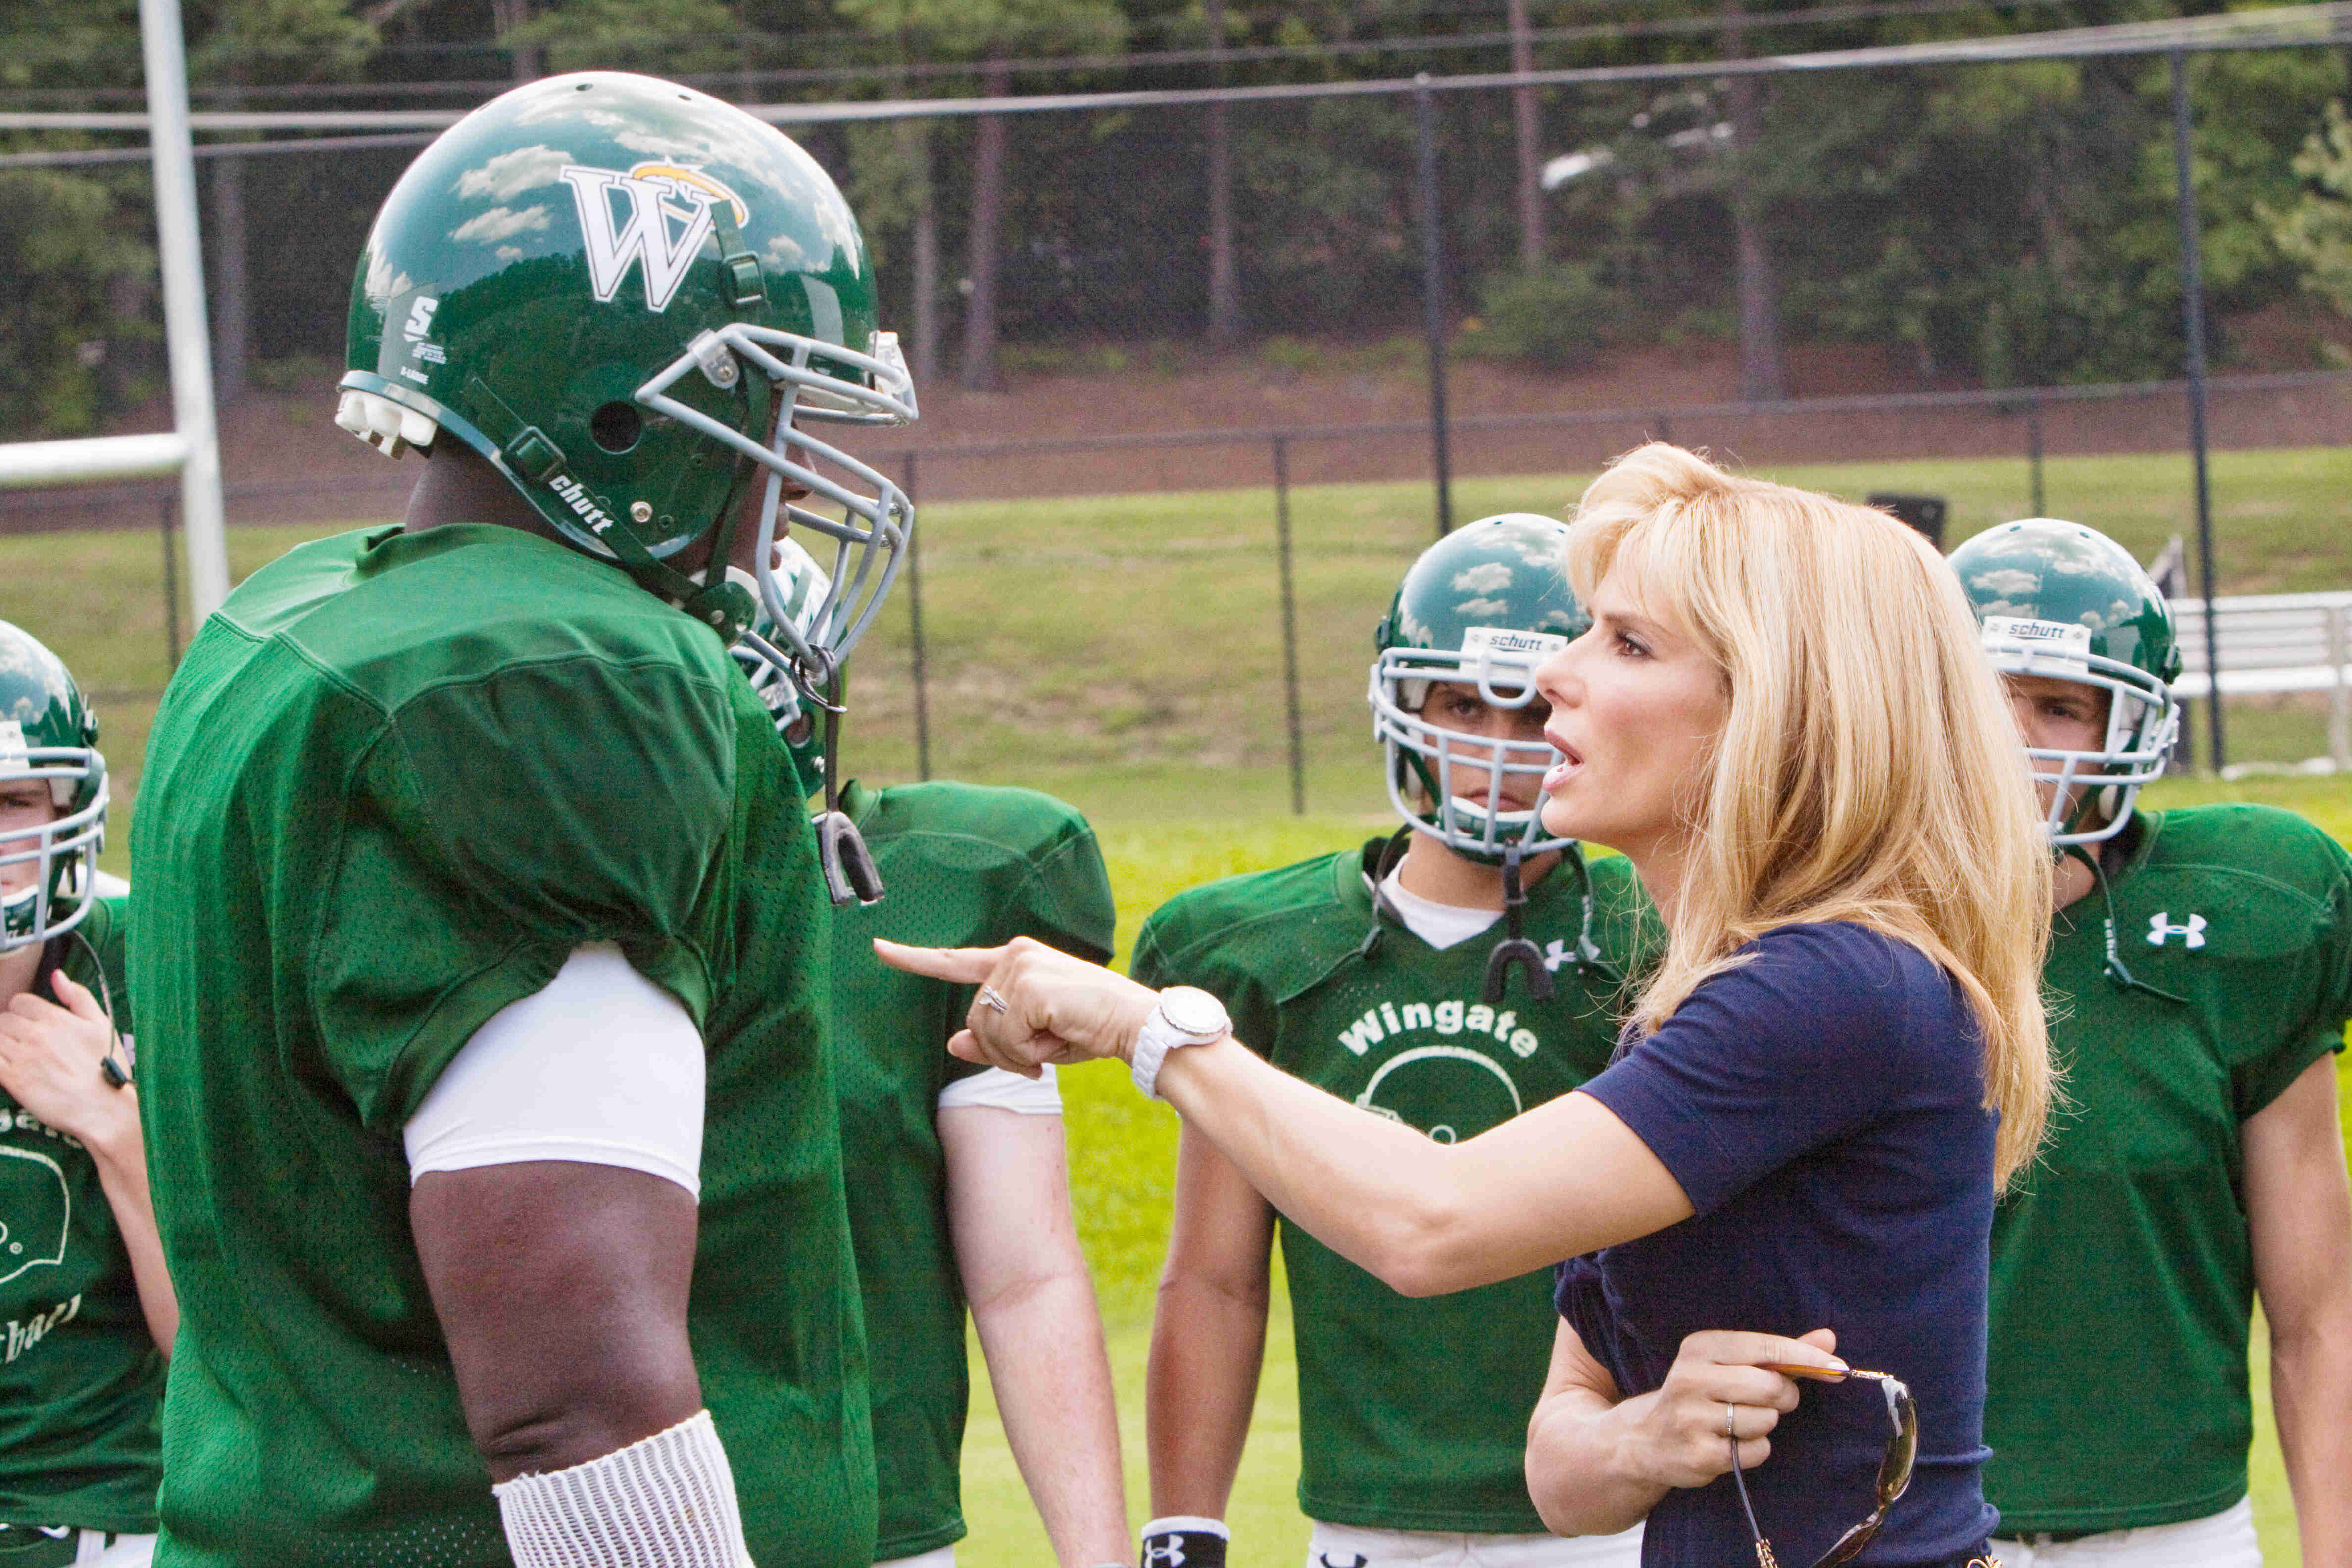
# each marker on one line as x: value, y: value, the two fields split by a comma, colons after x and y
x: 48, y: 732
x: 1482, y: 607
x: 629, y: 297
x: 2060, y: 600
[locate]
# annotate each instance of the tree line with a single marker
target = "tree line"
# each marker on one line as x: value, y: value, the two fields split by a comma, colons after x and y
x: 2007, y: 225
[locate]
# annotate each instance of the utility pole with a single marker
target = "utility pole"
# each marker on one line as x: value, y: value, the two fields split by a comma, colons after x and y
x: 1763, y: 368
x: 1224, y: 282
x: 1523, y: 119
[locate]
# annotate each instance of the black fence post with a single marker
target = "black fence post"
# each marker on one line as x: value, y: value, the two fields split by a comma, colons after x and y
x: 170, y: 516
x: 1433, y: 299
x: 2192, y: 313
x: 2033, y: 448
x: 1289, y: 625
x: 915, y: 629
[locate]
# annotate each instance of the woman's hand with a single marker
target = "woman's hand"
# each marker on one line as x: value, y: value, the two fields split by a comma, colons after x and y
x: 1057, y: 1008
x: 1718, y: 1382
x: 50, y: 1060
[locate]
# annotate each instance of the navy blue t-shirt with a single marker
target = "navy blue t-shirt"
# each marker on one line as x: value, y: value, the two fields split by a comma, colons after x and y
x: 1823, y: 1108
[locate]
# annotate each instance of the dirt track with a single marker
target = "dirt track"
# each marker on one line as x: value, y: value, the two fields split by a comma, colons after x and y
x: 284, y: 461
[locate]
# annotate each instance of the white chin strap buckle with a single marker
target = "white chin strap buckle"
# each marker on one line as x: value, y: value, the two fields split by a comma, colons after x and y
x: 382, y: 424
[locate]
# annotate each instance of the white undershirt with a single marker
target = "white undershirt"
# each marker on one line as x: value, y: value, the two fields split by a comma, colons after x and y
x: 1000, y: 1091
x: 1440, y: 925
x: 603, y: 1066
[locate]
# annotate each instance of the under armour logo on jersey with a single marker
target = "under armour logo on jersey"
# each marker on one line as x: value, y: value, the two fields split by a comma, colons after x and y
x: 2160, y: 926
x: 1361, y: 1560
x: 669, y: 218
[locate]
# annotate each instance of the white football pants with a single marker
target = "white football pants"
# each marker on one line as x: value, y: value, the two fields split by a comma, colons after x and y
x: 1346, y: 1546
x: 2225, y: 1539
x: 936, y: 1557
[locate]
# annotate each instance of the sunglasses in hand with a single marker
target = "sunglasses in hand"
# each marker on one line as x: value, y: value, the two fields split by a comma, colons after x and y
x: 1893, y: 1471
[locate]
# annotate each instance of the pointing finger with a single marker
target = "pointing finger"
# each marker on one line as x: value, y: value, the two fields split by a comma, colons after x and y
x: 964, y: 966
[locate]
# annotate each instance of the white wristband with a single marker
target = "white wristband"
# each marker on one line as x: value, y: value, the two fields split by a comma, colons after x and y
x: 1186, y: 1016
x: 664, y: 1501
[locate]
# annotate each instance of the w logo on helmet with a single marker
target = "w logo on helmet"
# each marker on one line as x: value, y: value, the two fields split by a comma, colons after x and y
x: 2160, y: 926
x: 669, y: 209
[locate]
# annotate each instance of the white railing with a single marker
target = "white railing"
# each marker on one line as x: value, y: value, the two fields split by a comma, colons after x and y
x: 2275, y: 643
x: 192, y: 449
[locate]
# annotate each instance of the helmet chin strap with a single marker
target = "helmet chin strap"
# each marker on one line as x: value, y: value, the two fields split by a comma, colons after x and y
x: 850, y: 876
x: 1515, y: 949
x: 2117, y: 972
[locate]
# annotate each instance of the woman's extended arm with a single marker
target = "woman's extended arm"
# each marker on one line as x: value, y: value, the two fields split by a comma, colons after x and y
x: 1565, y: 1178
x: 50, y: 1061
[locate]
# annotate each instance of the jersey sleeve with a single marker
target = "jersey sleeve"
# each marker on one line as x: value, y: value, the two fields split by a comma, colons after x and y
x: 1174, y: 948
x: 1065, y: 901
x: 1796, y: 1049
x: 2320, y: 1027
x: 497, y: 825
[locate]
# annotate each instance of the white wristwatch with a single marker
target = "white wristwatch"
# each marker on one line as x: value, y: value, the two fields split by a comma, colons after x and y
x: 1186, y: 1016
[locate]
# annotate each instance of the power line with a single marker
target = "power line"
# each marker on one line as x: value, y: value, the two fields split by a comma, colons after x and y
x: 83, y: 157
x: 2290, y: 27
x: 1343, y: 48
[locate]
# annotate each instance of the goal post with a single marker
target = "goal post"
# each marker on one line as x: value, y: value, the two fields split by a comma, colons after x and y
x: 192, y: 447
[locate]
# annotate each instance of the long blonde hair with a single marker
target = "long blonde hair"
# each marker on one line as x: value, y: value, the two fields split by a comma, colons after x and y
x: 1868, y: 768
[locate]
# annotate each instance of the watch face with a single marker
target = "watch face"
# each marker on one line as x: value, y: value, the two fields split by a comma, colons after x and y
x: 1192, y: 1011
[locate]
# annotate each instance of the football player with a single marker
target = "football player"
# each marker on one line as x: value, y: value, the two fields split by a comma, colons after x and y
x: 1449, y: 976
x: 2202, y: 963
x: 89, y: 1308
x: 481, y: 931
x: 961, y: 1194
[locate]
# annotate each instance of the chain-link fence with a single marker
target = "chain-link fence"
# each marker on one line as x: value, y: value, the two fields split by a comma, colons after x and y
x: 1156, y: 335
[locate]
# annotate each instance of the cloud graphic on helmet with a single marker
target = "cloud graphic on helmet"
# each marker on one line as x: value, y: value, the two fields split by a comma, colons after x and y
x: 384, y: 280
x: 501, y: 223
x: 511, y: 174
x: 1469, y: 608
x: 2008, y: 581
x: 1486, y: 577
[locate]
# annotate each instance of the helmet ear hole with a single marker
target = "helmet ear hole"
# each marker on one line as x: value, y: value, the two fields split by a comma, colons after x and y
x: 616, y: 426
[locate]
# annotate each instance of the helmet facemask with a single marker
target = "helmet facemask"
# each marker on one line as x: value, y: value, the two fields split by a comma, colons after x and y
x: 1441, y: 759
x: 871, y: 536
x: 64, y: 851
x: 2143, y: 717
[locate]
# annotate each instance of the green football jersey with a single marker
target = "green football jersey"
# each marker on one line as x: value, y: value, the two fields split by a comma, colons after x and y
x: 2122, y: 1282
x: 398, y: 778
x: 964, y: 866
x: 1412, y: 1413
x: 80, y: 1379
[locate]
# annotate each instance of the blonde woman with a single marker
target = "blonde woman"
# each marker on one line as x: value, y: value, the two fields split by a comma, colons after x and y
x: 1782, y: 717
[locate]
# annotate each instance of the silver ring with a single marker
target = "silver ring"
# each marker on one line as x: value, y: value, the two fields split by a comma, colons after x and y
x: 988, y: 998
x: 1731, y: 1422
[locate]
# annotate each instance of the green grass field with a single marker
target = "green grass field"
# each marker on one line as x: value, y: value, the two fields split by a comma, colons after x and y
x: 1124, y: 652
